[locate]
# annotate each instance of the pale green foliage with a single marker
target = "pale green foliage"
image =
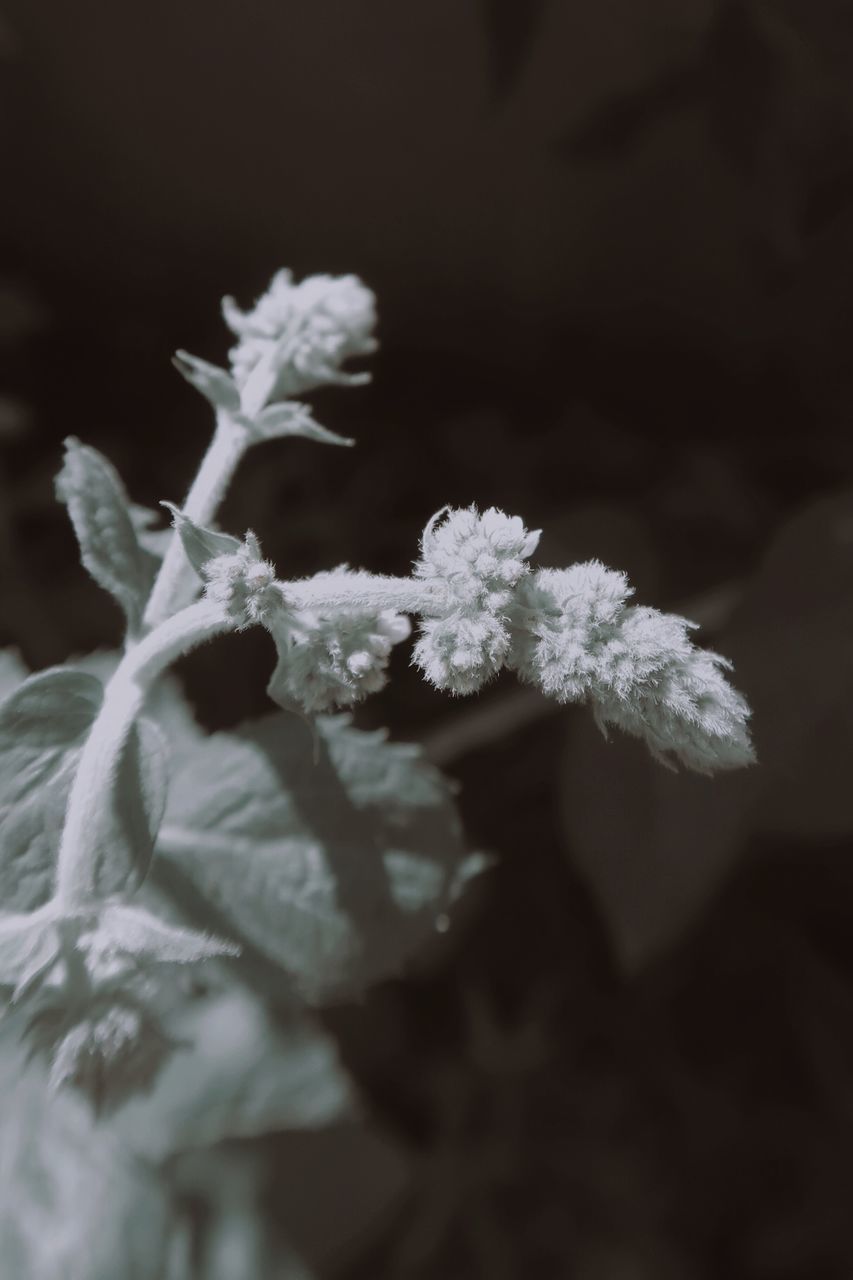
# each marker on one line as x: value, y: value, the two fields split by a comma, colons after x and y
x: 43, y: 725
x: 335, y: 869
x: 109, y: 546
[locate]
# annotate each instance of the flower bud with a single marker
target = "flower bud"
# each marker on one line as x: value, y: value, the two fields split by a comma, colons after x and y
x: 297, y: 336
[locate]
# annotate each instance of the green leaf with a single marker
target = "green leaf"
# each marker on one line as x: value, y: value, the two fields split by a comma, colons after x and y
x: 100, y: 512
x: 290, y: 418
x: 201, y: 545
x: 43, y: 725
x: 75, y: 1202
x: 335, y: 870
x: 12, y: 671
x: 215, y: 384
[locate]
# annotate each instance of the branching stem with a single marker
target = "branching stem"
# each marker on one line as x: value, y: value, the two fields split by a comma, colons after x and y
x: 101, y: 757
x: 176, y: 576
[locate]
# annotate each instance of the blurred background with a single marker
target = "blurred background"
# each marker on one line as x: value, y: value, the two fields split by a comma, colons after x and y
x: 612, y: 244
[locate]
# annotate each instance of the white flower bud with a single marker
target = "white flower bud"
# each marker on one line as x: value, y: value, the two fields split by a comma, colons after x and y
x: 243, y: 584
x: 476, y: 559
x: 334, y: 662
x: 472, y: 563
x: 297, y: 336
x: 460, y: 654
x: 564, y: 623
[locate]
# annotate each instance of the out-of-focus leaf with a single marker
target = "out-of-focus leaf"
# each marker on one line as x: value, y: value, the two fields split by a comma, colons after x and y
x: 75, y: 1203
x: 511, y: 28
x: 334, y: 869
x: 654, y: 847
x: 43, y: 725
x: 351, y: 1175
x: 13, y: 671
x: 619, y: 124
x: 100, y: 512
x: 291, y: 418
x: 237, y: 1075
x: 215, y: 384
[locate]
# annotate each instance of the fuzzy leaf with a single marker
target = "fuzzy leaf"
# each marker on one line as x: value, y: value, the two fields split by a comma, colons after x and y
x: 215, y: 384
x: 100, y: 512
x: 334, y: 870
x: 200, y: 544
x: 75, y: 1202
x: 29, y: 944
x: 133, y: 931
x: 289, y: 418
x: 43, y: 725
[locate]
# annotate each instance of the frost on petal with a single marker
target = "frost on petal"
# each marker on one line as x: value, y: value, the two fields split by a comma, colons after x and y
x: 132, y: 932
x: 297, y: 336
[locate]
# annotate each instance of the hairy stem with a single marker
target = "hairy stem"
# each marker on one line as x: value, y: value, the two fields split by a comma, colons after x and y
x: 99, y: 763
x: 370, y: 591
x: 176, y: 577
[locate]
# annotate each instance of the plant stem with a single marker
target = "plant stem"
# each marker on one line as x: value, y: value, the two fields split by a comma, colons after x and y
x: 229, y: 443
x: 359, y: 590
x: 101, y: 758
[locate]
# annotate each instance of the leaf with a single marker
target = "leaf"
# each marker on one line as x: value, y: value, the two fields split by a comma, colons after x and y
x: 43, y: 725
x: 75, y: 1202
x: 12, y: 671
x: 215, y: 384
x: 152, y: 538
x: 237, y: 1075
x: 100, y: 512
x: 334, y: 870
x: 653, y: 845
x: 620, y: 123
x: 511, y: 28
x: 201, y: 545
x: 289, y: 418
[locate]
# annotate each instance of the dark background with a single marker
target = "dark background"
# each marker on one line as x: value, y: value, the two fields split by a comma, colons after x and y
x: 613, y: 248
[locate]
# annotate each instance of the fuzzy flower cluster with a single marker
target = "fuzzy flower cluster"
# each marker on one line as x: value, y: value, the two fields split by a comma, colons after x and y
x: 243, y: 583
x: 472, y: 564
x: 571, y: 632
x: 337, y: 661
x: 574, y: 636
x: 297, y: 336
